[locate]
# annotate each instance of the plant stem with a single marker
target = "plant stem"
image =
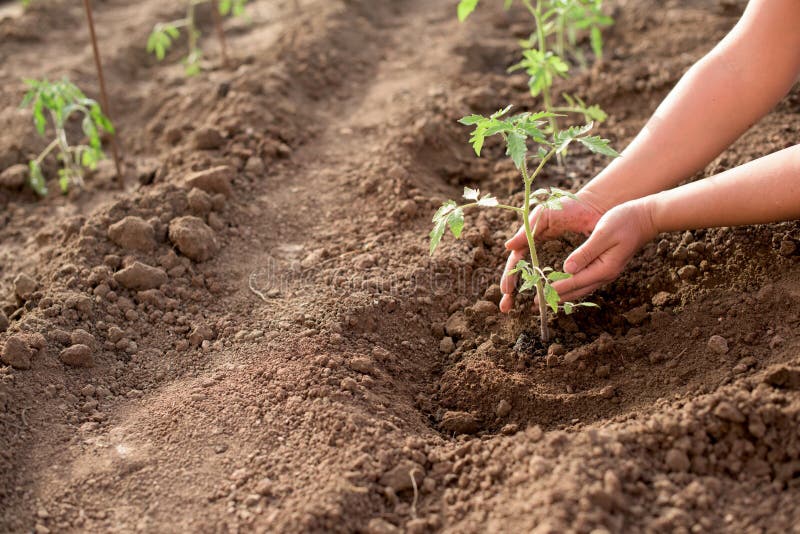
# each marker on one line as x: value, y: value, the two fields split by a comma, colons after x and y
x: 544, y: 331
x: 220, y: 33
x: 53, y: 144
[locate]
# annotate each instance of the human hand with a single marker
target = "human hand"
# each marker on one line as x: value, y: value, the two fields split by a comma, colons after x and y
x: 616, y: 237
x: 579, y: 217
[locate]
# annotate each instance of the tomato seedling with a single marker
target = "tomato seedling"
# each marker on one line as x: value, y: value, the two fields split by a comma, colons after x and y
x: 59, y: 101
x: 558, y: 24
x: 516, y: 131
x: 164, y: 34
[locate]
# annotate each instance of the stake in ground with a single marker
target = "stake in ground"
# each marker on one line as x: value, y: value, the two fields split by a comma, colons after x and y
x: 516, y: 131
x: 59, y: 101
x: 165, y: 33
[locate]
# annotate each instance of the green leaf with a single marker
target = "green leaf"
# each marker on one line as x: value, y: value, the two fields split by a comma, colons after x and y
x: 596, y: 38
x: 455, y: 221
x: 63, y: 180
x: 598, y: 146
x: 471, y: 194
x: 516, y: 148
x: 444, y: 209
x: 561, y: 193
x: 36, y: 178
x: 436, y: 234
x: 469, y: 120
x: 568, y: 307
x: 465, y: 9
x: 551, y: 297
x: 555, y: 276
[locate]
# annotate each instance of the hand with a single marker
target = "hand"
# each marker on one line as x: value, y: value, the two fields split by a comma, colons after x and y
x: 579, y: 217
x: 618, y: 235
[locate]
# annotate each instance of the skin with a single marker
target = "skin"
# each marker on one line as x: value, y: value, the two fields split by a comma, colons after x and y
x: 715, y: 102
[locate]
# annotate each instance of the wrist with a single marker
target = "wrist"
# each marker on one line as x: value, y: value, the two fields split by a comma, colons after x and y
x: 647, y: 210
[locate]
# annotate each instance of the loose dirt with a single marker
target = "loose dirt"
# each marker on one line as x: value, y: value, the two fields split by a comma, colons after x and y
x: 252, y: 337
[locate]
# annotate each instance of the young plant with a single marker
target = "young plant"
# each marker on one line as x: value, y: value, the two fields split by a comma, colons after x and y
x: 164, y: 34
x: 59, y: 101
x: 558, y: 23
x: 517, y: 131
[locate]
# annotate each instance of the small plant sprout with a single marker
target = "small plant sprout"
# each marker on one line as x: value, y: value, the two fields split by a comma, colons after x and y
x: 516, y: 131
x: 164, y: 34
x: 59, y: 101
x: 558, y: 24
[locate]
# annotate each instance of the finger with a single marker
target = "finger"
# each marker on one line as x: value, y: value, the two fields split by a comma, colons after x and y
x: 509, y: 281
x: 597, y: 274
x: 518, y: 241
x: 585, y: 254
x: 506, y: 303
x: 582, y: 292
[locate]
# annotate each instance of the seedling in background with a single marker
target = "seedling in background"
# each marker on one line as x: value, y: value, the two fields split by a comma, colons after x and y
x: 558, y: 25
x: 164, y: 34
x: 59, y: 101
x: 516, y: 131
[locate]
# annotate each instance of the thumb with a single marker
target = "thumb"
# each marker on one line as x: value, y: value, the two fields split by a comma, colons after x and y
x: 586, y: 253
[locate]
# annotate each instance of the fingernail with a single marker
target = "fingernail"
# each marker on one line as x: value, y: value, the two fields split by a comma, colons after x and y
x: 570, y: 266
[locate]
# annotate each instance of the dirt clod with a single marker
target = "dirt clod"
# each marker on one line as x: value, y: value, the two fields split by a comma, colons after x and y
x: 24, y: 286
x: 14, y: 177
x: 207, y: 138
x: 399, y: 477
x: 78, y: 356
x: 718, y: 344
x: 133, y: 233
x: 193, y: 238
x: 503, y: 408
x: 17, y: 353
x: 784, y: 377
x: 458, y: 422
x: 446, y: 345
x: 140, y: 276
x: 457, y: 325
x: 677, y: 460
x: 216, y: 180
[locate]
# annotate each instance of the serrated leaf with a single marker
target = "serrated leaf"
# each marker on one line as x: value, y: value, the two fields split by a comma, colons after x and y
x: 568, y: 307
x: 436, y: 234
x: 598, y: 145
x: 455, y: 221
x: 444, y: 209
x: 555, y: 276
x: 551, y: 297
x: 469, y: 120
x: 516, y: 149
x: 471, y: 194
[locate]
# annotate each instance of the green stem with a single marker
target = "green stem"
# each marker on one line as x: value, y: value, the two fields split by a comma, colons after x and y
x: 500, y: 206
x: 53, y: 144
x: 544, y: 331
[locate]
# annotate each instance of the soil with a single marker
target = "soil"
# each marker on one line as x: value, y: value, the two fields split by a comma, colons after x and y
x: 251, y: 335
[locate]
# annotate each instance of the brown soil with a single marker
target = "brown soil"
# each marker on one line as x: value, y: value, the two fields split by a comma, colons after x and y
x: 289, y: 377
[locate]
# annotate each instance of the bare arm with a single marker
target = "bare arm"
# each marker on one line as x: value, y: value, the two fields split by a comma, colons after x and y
x: 719, y: 98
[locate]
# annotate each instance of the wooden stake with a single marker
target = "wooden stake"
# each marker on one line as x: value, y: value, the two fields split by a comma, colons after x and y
x: 220, y: 32
x: 103, y: 94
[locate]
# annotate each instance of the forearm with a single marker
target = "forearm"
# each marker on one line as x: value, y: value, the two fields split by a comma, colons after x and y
x: 712, y: 105
x: 762, y: 191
